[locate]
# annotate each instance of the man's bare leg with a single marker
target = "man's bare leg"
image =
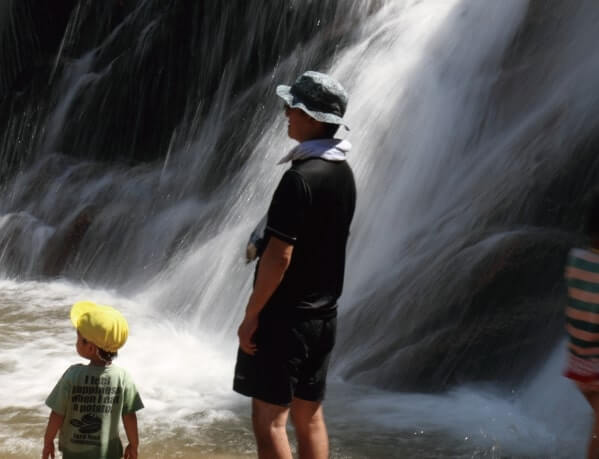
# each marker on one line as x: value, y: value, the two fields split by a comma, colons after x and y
x: 310, y: 429
x: 269, y: 422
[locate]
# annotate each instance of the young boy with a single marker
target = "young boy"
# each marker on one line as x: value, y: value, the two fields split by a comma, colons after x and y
x: 582, y: 315
x: 88, y: 400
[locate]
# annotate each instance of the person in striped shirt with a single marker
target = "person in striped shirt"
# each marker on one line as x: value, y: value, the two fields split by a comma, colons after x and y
x: 582, y: 321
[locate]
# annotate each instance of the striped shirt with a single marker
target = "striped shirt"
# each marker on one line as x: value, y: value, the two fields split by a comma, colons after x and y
x: 582, y: 313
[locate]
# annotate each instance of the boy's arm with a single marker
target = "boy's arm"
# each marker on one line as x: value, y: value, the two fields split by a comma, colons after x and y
x: 130, y: 424
x: 54, y: 424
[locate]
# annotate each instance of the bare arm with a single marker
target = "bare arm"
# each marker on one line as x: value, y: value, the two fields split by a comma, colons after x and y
x: 273, y: 264
x: 130, y: 424
x: 54, y: 424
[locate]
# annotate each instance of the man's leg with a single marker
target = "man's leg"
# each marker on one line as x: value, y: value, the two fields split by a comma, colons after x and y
x: 310, y: 429
x: 269, y: 423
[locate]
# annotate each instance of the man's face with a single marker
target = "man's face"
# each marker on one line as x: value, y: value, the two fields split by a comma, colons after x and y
x: 301, y: 126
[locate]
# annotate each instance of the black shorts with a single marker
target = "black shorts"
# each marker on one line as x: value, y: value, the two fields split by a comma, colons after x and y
x: 291, y: 361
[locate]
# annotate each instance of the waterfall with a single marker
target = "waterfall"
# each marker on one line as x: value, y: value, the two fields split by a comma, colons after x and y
x: 194, y: 118
x: 143, y: 153
x: 468, y: 130
x: 138, y: 150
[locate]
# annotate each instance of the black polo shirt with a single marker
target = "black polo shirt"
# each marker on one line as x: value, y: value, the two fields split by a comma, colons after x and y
x: 312, y: 209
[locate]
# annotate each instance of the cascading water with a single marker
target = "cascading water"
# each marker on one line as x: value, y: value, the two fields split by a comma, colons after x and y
x: 464, y: 135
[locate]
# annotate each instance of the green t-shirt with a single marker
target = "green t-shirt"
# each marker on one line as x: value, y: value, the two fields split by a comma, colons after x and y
x: 92, y: 400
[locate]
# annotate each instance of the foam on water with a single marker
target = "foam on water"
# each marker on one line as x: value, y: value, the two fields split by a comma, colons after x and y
x: 474, y: 420
x: 178, y: 372
x: 161, y: 353
x: 184, y: 376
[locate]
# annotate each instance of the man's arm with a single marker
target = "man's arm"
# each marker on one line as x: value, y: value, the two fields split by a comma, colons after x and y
x: 130, y: 425
x: 273, y: 264
x: 54, y: 424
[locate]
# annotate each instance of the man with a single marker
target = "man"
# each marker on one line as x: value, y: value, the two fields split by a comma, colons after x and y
x: 288, y: 331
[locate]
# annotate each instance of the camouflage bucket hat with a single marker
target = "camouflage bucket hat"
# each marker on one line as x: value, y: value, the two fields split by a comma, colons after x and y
x: 319, y: 95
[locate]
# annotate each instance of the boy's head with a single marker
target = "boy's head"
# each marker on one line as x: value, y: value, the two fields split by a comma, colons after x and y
x: 103, y: 326
x: 320, y: 97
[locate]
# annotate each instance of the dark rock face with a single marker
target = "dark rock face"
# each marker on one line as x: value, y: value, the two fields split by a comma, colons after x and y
x: 63, y: 245
x: 152, y: 71
x: 120, y: 85
x: 31, y: 32
x: 30, y: 35
x: 493, y: 319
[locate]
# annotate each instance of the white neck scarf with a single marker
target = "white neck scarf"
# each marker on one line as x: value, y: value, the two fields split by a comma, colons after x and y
x: 328, y: 149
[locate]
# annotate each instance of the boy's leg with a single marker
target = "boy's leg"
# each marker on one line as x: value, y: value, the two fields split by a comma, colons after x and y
x: 310, y: 429
x: 269, y: 422
x: 591, y: 393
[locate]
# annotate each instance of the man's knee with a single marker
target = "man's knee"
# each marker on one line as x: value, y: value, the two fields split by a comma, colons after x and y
x: 306, y: 415
x: 267, y: 417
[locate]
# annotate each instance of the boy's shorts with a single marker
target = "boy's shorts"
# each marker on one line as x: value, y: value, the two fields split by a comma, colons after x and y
x: 291, y: 361
x: 581, y: 370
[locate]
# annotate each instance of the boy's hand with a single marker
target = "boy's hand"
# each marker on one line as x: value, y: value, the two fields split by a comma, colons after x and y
x: 130, y: 424
x: 130, y: 452
x: 48, y: 451
x: 54, y: 424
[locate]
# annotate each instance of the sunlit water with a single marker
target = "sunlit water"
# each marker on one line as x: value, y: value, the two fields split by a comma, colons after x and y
x: 191, y: 412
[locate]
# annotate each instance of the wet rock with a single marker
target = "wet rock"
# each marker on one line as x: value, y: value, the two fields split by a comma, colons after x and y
x: 62, y: 247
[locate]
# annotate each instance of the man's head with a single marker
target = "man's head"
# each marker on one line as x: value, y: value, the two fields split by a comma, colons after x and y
x: 321, y: 98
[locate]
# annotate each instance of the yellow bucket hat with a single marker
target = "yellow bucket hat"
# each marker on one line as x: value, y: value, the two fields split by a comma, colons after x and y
x: 102, y: 325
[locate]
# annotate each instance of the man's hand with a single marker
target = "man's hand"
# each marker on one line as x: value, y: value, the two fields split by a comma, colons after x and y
x: 245, y: 332
x: 273, y: 264
x: 48, y: 451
